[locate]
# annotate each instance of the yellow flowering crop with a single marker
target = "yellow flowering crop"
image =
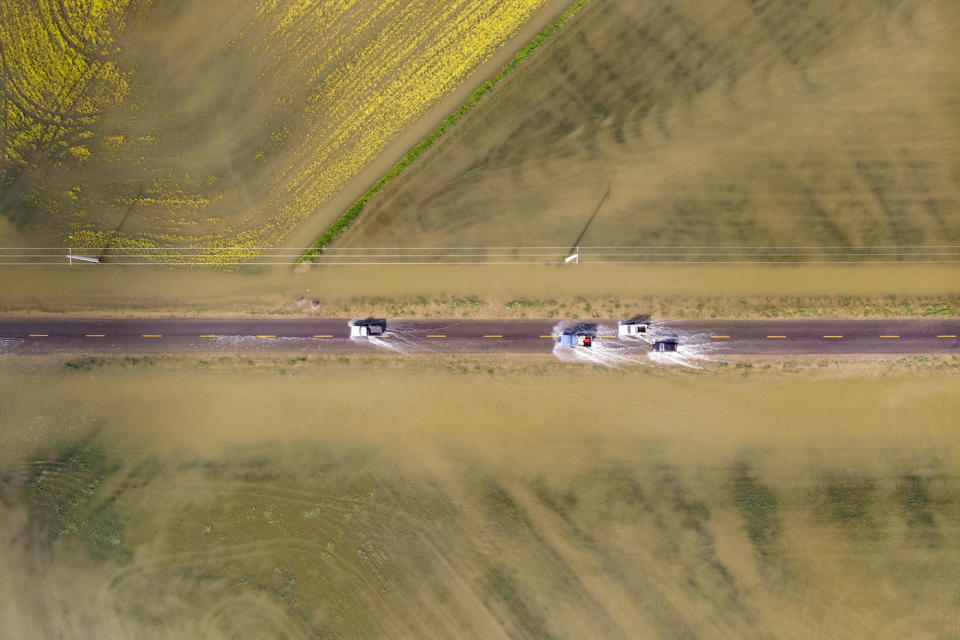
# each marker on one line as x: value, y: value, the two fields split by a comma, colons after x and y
x: 343, y: 79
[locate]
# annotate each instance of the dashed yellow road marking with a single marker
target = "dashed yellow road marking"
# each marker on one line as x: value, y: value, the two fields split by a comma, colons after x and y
x: 606, y: 336
x: 266, y: 335
x: 323, y: 335
x: 723, y: 337
x: 947, y: 335
x: 780, y: 337
x: 832, y: 336
x: 37, y: 335
x: 209, y: 335
x: 889, y: 336
x: 96, y: 335
x: 151, y: 335
x: 493, y: 335
x: 436, y: 335
x: 546, y: 336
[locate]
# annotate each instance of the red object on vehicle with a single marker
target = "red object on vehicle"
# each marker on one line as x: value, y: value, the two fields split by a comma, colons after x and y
x: 586, y: 341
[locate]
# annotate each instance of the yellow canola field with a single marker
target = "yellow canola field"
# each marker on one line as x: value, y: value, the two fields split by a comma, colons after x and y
x: 157, y: 129
x: 57, y: 74
x: 415, y: 58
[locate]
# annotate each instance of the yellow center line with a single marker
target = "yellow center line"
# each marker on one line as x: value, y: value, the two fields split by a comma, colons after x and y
x: 493, y: 336
x: 209, y: 335
x: 546, y: 336
x: 151, y: 335
x: 776, y: 336
x: 324, y: 335
x: 96, y: 335
x: 606, y: 336
x: 832, y: 336
x: 266, y: 335
x: 37, y: 335
x: 889, y: 336
x: 723, y: 337
x: 947, y: 335
x: 386, y: 335
x: 436, y: 335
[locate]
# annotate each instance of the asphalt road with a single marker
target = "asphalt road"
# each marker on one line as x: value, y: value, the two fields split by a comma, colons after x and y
x: 170, y: 335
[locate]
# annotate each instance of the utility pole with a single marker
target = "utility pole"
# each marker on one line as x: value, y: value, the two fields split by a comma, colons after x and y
x: 71, y: 257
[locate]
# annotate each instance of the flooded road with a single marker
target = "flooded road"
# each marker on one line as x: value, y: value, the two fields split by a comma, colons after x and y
x: 696, y: 340
x: 430, y: 499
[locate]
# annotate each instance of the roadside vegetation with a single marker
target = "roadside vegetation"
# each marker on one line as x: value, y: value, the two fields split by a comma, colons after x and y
x: 508, y: 366
x: 559, y: 307
x: 663, y: 307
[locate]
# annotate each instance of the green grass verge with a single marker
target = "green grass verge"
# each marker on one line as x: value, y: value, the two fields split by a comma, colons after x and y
x: 351, y: 214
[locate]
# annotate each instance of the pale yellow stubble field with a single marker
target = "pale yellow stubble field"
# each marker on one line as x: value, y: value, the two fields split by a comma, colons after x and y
x: 728, y: 123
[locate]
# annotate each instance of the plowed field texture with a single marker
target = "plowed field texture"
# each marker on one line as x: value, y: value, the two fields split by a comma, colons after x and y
x: 467, y: 499
x: 187, y: 122
x: 688, y: 123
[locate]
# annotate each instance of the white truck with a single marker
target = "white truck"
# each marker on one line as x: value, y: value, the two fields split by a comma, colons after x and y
x: 368, y: 328
x: 633, y: 327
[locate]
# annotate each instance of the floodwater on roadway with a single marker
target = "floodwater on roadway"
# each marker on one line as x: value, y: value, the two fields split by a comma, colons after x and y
x: 423, y: 498
x: 694, y: 350
x: 398, y: 340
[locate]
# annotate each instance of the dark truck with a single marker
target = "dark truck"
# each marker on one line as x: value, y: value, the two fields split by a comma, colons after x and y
x: 666, y: 344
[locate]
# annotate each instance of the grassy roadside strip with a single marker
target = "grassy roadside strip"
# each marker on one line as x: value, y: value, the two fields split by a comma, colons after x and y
x: 449, y: 122
x: 671, y: 307
x: 493, y: 364
x: 483, y: 307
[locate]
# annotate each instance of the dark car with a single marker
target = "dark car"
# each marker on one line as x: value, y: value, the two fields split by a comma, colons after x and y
x: 665, y: 344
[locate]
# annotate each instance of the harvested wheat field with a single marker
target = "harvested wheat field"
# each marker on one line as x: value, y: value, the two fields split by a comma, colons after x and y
x: 185, y: 123
x: 229, y: 498
x: 726, y: 123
